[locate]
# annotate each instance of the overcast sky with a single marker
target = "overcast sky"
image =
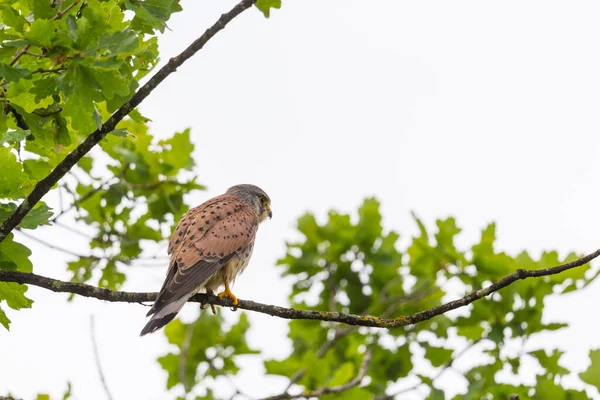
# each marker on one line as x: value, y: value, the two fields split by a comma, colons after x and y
x: 485, y: 111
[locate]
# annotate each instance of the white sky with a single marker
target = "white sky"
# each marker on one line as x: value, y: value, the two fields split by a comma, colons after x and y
x: 486, y: 111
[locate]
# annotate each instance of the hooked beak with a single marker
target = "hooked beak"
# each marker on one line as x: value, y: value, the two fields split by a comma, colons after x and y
x: 270, y: 213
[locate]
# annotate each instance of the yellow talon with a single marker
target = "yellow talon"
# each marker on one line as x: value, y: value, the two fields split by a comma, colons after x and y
x: 227, y: 293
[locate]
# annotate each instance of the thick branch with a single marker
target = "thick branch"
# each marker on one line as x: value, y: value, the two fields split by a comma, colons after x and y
x: 290, y: 313
x: 94, y: 138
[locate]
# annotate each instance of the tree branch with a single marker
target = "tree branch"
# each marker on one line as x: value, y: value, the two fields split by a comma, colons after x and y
x: 97, y: 359
x: 290, y: 313
x: 21, y: 123
x: 183, y: 356
x: 95, y: 137
x: 341, y: 333
x: 126, y: 261
x: 444, y: 368
x: 362, y: 372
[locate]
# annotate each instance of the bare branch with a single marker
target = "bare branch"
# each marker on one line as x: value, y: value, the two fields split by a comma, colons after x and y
x: 54, y: 247
x: 161, y: 261
x: 95, y: 137
x: 97, y: 358
x: 290, y: 313
x: 183, y: 357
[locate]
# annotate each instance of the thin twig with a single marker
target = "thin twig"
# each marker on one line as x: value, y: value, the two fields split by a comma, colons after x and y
x: 51, y: 70
x: 57, y: 248
x: 25, y: 49
x: 66, y: 10
x: 290, y: 313
x: 95, y: 137
x: 161, y: 262
x: 74, y: 230
x: 97, y: 358
x: 444, y: 368
x: 80, y: 200
x: 362, y: 372
x: 183, y: 357
x: 29, y: 53
x: 18, y: 55
x: 340, y: 333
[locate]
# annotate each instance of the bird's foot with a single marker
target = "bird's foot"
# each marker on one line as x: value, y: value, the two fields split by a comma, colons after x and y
x: 212, y: 306
x: 227, y: 293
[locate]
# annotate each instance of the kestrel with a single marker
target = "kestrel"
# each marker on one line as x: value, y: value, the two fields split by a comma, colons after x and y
x: 210, y: 247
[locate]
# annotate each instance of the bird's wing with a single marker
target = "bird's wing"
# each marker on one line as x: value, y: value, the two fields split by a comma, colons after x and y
x: 210, y: 238
x: 184, y: 223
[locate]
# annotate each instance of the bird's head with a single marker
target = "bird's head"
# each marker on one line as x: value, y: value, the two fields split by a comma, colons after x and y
x: 255, y: 197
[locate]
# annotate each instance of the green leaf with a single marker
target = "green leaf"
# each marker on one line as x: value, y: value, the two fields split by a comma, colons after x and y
x: 12, y: 18
x: 97, y: 118
x: 82, y: 269
x: 37, y: 169
x: 265, y: 6
x: 36, y: 217
x: 472, y: 332
x: 178, y: 152
x: 4, y: 320
x: 342, y: 375
x: 72, y: 26
x: 12, y: 74
x: 436, y: 394
x: 13, y: 137
x: 120, y: 132
x: 42, y: 9
x: 86, y: 163
x: 41, y: 32
x: 356, y: 393
x: 111, y: 277
x: 113, y: 82
x: 67, y: 394
x: 591, y: 376
x: 21, y: 93
x: 119, y: 43
x: 152, y: 14
x: 14, y: 183
x: 14, y: 255
x: 14, y: 295
x: 438, y: 356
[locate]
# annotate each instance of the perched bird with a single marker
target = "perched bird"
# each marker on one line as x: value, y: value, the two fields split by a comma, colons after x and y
x: 210, y: 247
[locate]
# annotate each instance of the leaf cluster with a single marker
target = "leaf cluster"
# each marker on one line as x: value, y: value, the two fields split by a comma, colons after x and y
x: 355, y: 265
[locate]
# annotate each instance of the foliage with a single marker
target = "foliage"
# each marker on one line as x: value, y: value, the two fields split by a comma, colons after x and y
x: 64, y: 70
x: 355, y: 266
x: 212, y: 354
x: 66, y: 65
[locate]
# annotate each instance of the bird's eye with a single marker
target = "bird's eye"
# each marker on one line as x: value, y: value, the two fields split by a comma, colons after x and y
x: 263, y: 200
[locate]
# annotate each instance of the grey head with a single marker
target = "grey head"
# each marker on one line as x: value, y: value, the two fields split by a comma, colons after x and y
x: 255, y: 197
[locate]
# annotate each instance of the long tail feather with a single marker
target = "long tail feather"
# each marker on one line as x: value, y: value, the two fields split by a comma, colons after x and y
x: 163, y: 316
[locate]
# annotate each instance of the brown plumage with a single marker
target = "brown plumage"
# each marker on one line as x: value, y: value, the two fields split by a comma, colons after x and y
x: 210, y: 247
